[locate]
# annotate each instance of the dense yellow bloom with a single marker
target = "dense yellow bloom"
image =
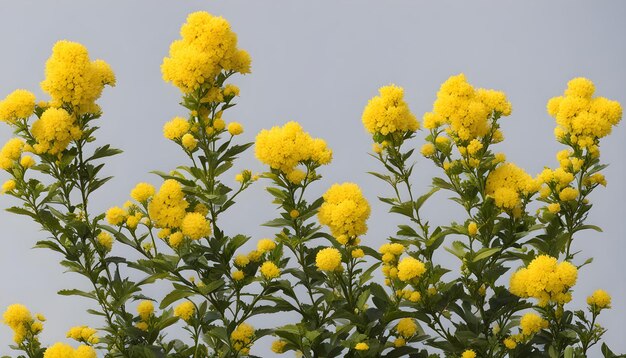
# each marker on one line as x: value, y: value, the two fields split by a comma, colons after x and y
x: 59, y: 350
x: 84, y: 351
x: 105, y: 240
x: 189, y: 142
x: 406, y: 327
x: 20, y: 104
x: 362, y: 346
x: 269, y: 270
x: 554, y: 208
x: 285, y: 147
x: 207, y: 47
x: 389, y: 113
x: 71, y: 77
x: 235, y: 128
x: 142, y: 192
x: 467, y: 111
x: 265, y: 245
x: 599, y: 299
x: 54, y: 131
x: 83, y: 334
x: 195, y: 226
x: 238, y: 275
x: 116, y: 215
x: 184, y: 310
x: 532, y: 323
x: 545, y: 279
x: 568, y: 194
x: 428, y: 149
x: 242, y: 337
x: 507, y: 182
x: 468, y: 353
x: 357, y: 253
x: 410, y: 268
x: 344, y: 210
x: 472, y: 228
x: 278, y: 346
x: 27, y: 161
x: 8, y: 186
x: 19, y: 319
x: 10, y: 152
x: 580, y: 116
x: 328, y: 259
x: 176, y: 239
x: 241, y: 260
x: 509, y: 343
x: 167, y: 208
x: 176, y: 128
x: 145, y: 309
x: 296, y: 176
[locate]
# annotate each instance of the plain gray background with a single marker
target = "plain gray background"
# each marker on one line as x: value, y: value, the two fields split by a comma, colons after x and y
x: 318, y: 63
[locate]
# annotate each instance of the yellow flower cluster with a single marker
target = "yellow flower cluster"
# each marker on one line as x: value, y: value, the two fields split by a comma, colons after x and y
x: 328, y: 259
x: 388, y: 113
x: 391, y: 252
x: 532, y: 323
x: 72, y: 78
x: 10, y: 153
x: 410, y: 268
x: 207, y: 47
x: 145, y: 309
x: 361, y: 346
x: 242, y: 338
x: 600, y: 299
x: 195, y: 226
x: 345, y: 210
x: 581, y: 117
x: 54, y: 131
x: 176, y: 128
x: 278, y: 346
x: 105, y: 240
x: 185, y: 310
x: 19, y: 319
x: 142, y: 192
x: 545, y: 279
x: 19, y: 104
x: 83, y: 334
x: 467, y: 111
x: 63, y: 350
x: 285, y: 147
x: 468, y: 353
x: 507, y: 182
x: 269, y: 270
x: 406, y: 327
x: 167, y: 207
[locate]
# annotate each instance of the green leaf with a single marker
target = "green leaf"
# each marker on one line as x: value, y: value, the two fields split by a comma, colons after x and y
x: 74, y: 292
x: 485, y: 253
x: 174, y: 296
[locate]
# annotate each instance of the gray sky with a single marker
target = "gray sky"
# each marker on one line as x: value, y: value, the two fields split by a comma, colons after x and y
x: 318, y: 63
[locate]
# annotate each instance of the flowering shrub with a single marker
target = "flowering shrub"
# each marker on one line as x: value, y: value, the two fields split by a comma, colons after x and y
x: 510, y: 297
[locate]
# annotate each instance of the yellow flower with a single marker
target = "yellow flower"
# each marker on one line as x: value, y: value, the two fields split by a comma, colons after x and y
x: 568, y: 194
x: 59, y: 350
x: 410, y: 268
x: 83, y: 334
x: 176, y: 128
x: 235, y: 128
x: 285, y: 147
x: 361, y: 346
x: 278, y: 346
x: 509, y: 343
x: 507, y: 182
x: 242, y: 338
x: 554, y: 208
x: 328, y: 259
x: 532, y: 323
x: 195, y: 226
x: 167, y: 207
x: 428, y: 149
x: 389, y: 113
x: 472, y: 228
x: 582, y: 117
x: 71, y: 77
x: 269, y: 270
x: 241, y: 260
x: 27, y: 161
x: 238, y: 275
x: 185, y: 310
x: 176, y: 239
x: 545, y: 279
x: 468, y: 353
x: 265, y: 245
x: 54, y: 131
x: 142, y: 192
x: 230, y: 91
x: 20, y: 104
x: 116, y: 215
x: 207, y: 47
x: 357, y: 253
x: 344, y: 210
x: 600, y: 299
x: 105, y: 240
x: 8, y: 186
x: 406, y: 327
x: 294, y: 213
x: 145, y: 309
x: 296, y: 176
x: 189, y: 142
x: 19, y: 319
x: 142, y: 326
